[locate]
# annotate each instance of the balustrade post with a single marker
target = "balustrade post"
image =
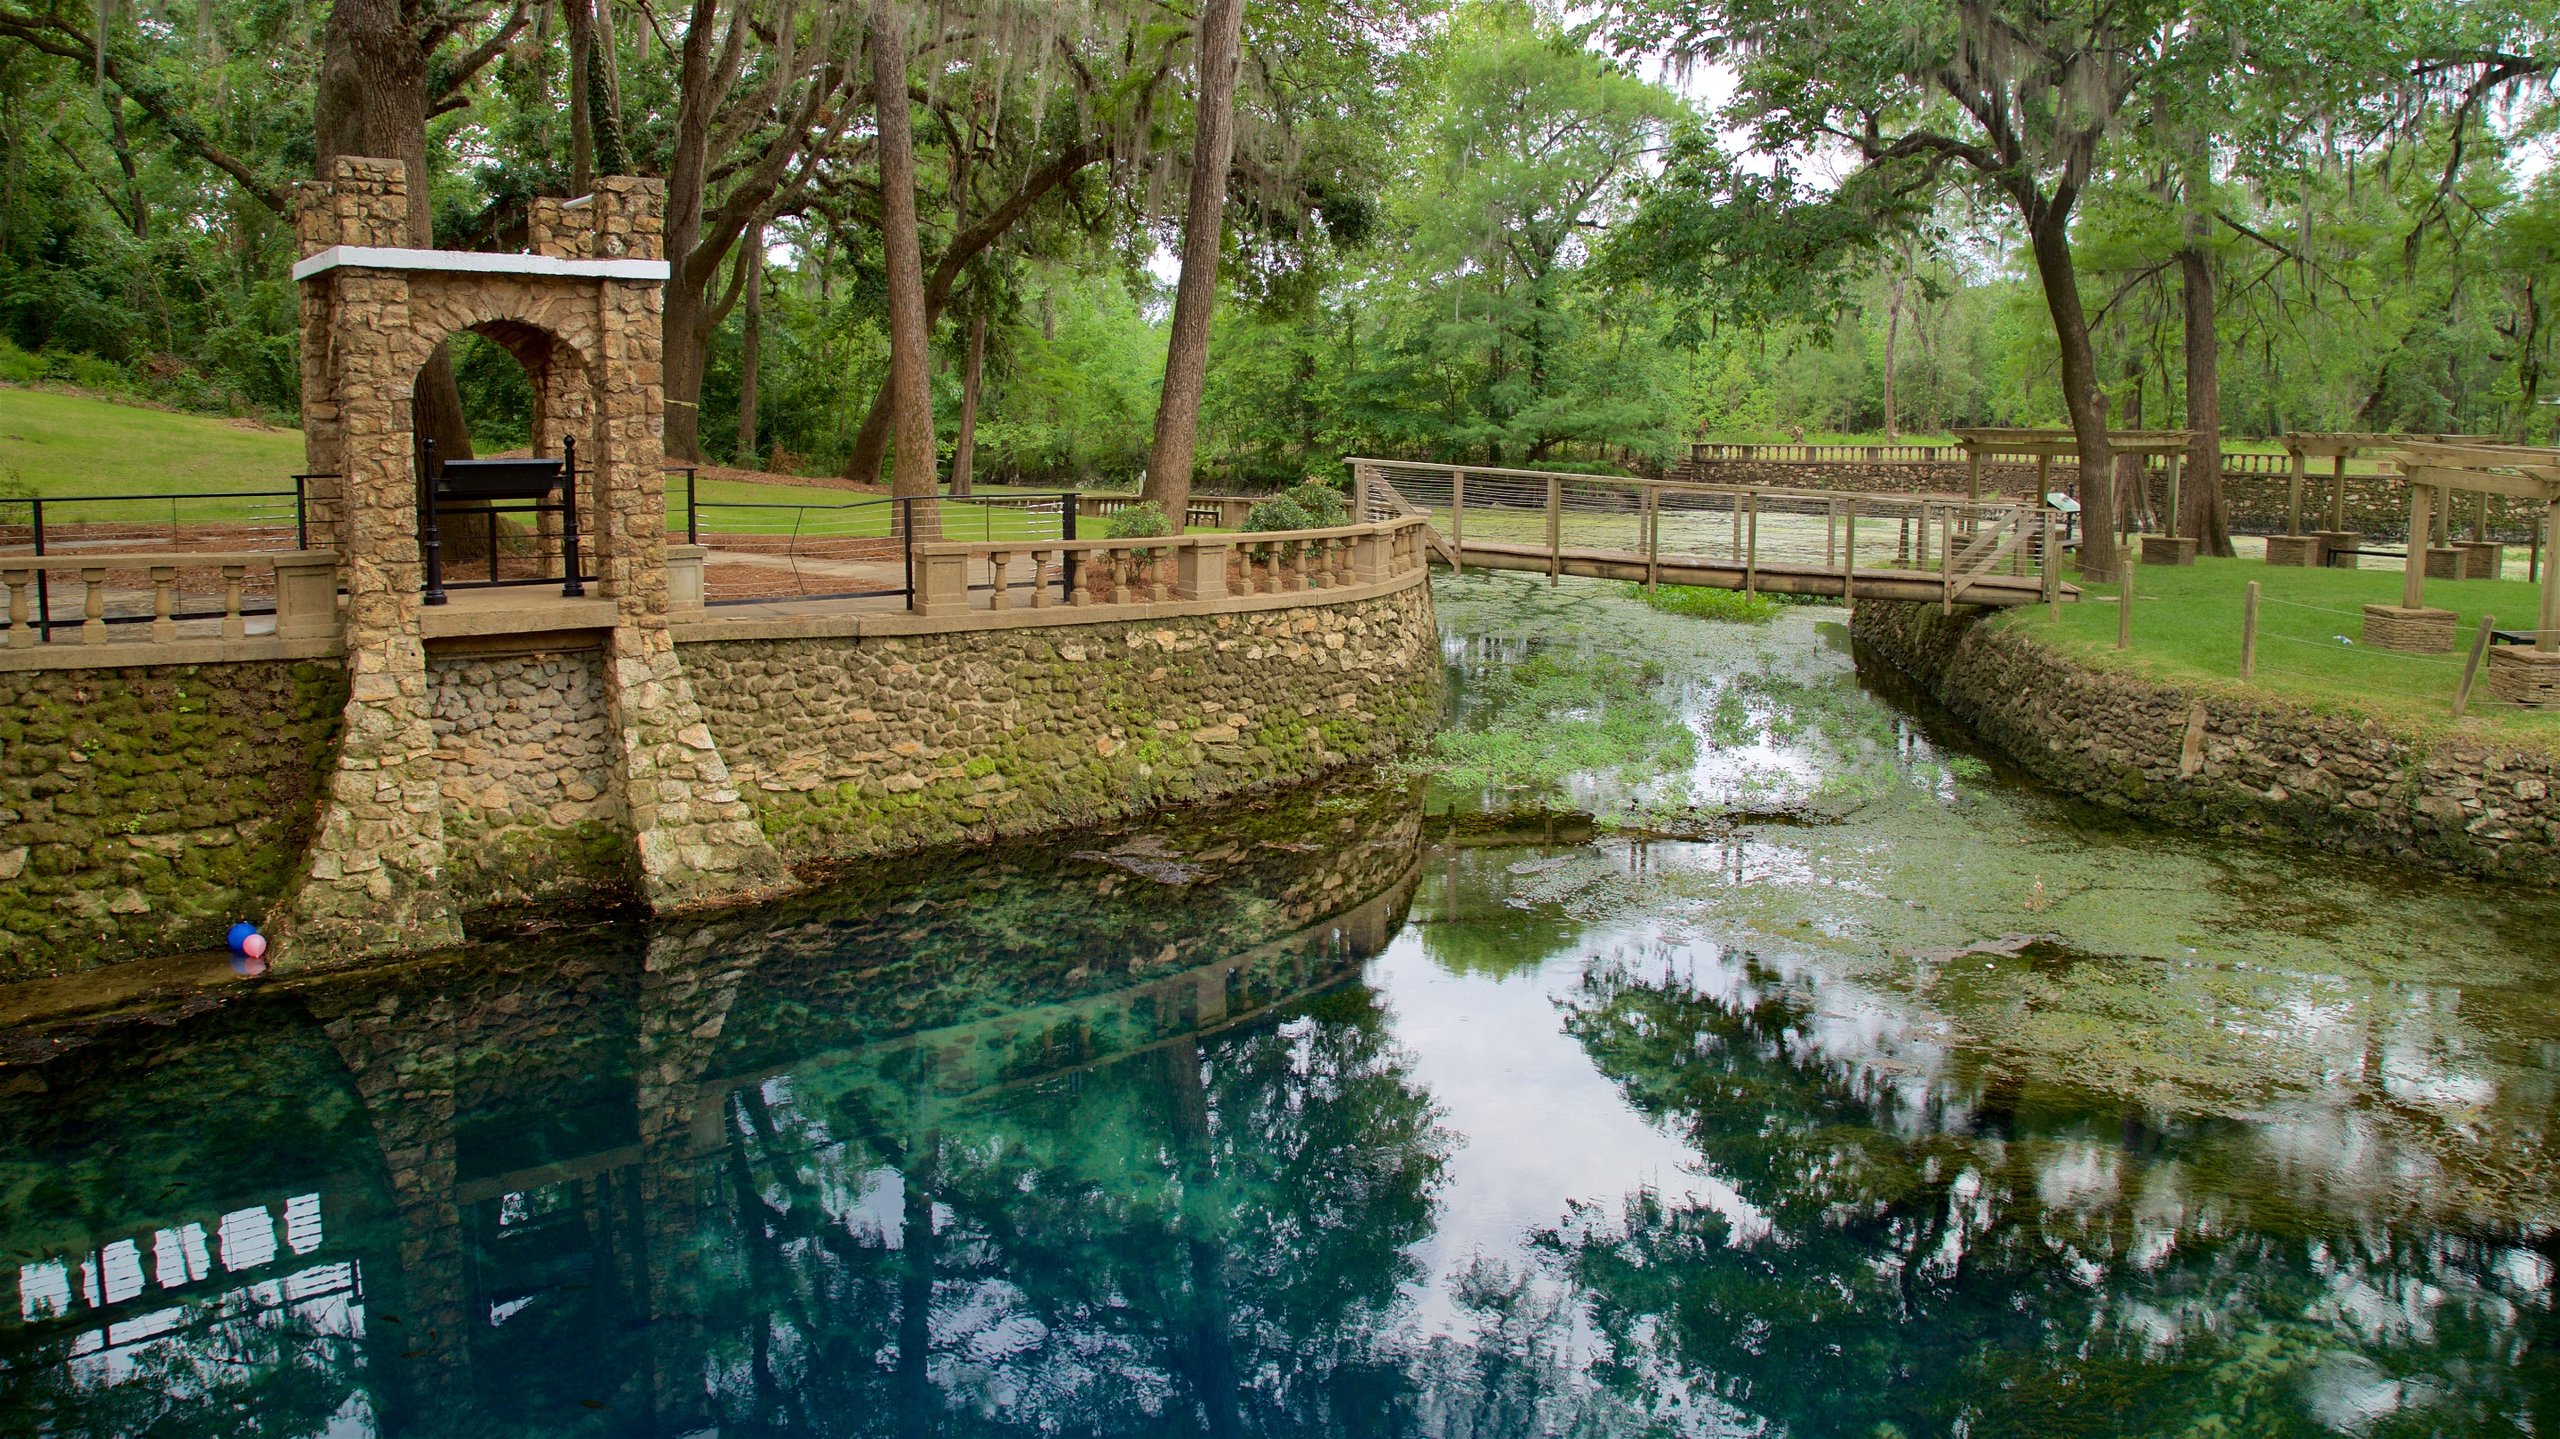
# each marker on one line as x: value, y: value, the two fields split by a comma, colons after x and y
x: 1849, y: 556
x: 941, y: 585
x: 306, y: 594
x: 998, y: 563
x: 21, y: 629
x: 1040, y: 579
x: 1201, y: 570
x: 93, y: 606
x: 233, y: 626
x: 164, y: 578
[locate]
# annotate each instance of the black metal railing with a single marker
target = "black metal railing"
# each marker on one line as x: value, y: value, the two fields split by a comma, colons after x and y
x: 50, y: 525
x: 487, y: 491
x: 835, y: 541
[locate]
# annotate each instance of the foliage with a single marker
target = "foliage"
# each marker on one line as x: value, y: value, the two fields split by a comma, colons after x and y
x: 1144, y: 520
x: 1278, y: 513
x: 1323, y: 503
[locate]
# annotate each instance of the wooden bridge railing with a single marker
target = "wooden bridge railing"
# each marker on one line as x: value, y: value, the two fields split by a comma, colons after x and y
x: 1743, y: 532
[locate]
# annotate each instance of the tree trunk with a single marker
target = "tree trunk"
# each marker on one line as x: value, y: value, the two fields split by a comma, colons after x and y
x: 910, y: 392
x: 582, y: 135
x: 751, y: 345
x: 1195, y: 294
x: 2202, y: 512
x: 371, y: 100
x: 1892, y: 343
x: 964, y: 451
x: 2050, y: 239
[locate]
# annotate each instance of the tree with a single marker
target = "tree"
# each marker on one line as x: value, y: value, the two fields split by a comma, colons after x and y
x: 911, y: 399
x: 2014, y: 98
x: 1203, y: 233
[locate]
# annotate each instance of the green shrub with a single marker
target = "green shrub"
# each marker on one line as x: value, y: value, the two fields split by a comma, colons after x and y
x: 91, y: 373
x: 1144, y: 520
x: 17, y: 366
x: 1279, y: 513
x: 1323, y: 503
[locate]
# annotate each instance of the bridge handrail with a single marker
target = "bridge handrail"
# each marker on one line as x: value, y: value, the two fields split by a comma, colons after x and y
x: 1691, y: 486
x: 305, y: 583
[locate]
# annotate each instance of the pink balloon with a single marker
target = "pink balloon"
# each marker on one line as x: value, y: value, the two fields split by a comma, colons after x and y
x: 255, y: 946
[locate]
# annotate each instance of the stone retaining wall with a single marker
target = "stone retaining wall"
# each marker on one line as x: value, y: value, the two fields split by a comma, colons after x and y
x: 144, y: 809
x: 530, y: 808
x: 2224, y: 759
x: 860, y: 746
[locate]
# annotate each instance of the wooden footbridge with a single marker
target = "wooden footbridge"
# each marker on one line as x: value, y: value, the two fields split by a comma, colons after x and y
x: 1945, y: 549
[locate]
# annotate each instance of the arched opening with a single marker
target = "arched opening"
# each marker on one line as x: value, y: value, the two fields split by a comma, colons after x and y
x: 509, y: 514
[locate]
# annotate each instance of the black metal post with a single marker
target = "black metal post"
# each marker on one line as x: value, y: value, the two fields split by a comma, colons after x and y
x: 44, y: 588
x: 692, y: 510
x: 571, y: 586
x: 301, y: 515
x: 904, y: 517
x: 430, y: 538
x: 1067, y: 558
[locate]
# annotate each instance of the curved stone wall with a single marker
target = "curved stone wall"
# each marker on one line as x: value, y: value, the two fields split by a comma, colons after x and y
x: 2229, y: 760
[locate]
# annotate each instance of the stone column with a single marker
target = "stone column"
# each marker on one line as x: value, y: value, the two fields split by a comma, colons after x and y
x: 372, y: 880
x: 697, y: 839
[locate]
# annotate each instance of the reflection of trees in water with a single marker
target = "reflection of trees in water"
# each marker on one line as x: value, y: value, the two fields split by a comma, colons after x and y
x: 1207, y: 1235
x: 2023, y: 1262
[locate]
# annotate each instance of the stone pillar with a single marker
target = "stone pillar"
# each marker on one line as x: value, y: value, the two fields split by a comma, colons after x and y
x: 372, y: 880
x: 697, y: 840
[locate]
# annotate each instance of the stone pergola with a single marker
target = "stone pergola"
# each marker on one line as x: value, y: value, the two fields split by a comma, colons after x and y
x: 2047, y: 445
x: 2435, y: 472
x: 2297, y: 546
x: 581, y: 313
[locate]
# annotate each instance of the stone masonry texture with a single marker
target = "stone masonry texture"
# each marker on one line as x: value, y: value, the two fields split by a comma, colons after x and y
x: 143, y: 810
x: 851, y: 748
x: 2219, y: 759
x: 531, y: 809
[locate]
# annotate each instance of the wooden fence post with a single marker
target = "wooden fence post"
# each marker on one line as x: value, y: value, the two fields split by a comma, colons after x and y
x: 1751, y: 556
x: 2479, y: 647
x: 1849, y: 555
x: 2249, y: 632
x: 1457, y: 522
x: 1555, y: 528
x: 1946, y: 558
x: 2124, y: 602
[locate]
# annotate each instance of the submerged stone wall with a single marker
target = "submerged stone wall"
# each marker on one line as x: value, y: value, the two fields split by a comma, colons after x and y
x: 144, y: 809
x: 862, y: 746
x: 528, y: 777
x: 2225, y: 759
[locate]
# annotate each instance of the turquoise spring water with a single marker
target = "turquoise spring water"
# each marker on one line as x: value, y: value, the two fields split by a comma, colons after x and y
x: 1701, y: 1040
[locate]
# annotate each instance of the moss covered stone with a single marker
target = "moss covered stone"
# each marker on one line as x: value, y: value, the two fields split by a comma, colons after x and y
x: 143, y: 810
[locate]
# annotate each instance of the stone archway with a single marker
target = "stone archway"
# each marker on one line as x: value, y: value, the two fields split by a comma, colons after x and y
x: 582, y: 313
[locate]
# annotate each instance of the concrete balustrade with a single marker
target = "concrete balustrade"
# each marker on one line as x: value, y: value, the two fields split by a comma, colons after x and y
x: 73, y: 596
x: 1214, y: 570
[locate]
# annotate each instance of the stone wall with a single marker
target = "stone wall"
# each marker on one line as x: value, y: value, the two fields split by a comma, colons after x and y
x: 145, y: 809
x: 2222, y: 758
x: 530, y: 809
x: 848, y: 747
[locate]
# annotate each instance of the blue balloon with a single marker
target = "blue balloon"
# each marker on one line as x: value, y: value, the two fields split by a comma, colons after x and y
x: 238, y: 935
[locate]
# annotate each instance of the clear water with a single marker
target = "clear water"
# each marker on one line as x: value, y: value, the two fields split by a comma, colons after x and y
x: 1717, y: 1047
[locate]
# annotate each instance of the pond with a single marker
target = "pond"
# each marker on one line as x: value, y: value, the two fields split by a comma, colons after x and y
x: 1700, y: 1039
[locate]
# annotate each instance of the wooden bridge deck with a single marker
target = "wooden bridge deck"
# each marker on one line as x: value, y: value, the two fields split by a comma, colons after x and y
x: 1775, y: 578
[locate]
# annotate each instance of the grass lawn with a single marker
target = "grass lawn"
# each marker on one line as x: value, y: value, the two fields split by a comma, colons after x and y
x: 54, y: 445
x: 2186, y: 629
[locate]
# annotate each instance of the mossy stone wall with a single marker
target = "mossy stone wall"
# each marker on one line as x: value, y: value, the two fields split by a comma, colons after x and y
x: 144, y: 810
x: 2222, y: 759
x: 849, y: 747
